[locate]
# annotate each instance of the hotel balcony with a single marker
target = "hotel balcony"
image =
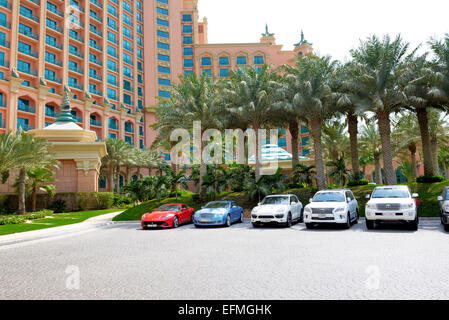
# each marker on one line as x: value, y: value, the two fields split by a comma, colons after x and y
x: 54, y: 79
x: 28, y: 15
x: 54, y: 61
x: 5, y: 4
x: 76, y: 86
x: 51, y: 113
x: 96, y: 123
x: 30, y: 53
x: 2, y: 125
x: 32, y: 72
x: 30, y: 34
x: 98, y: 4
x: 25, y: 127
x: 54, y: 27
x: 5, y: 24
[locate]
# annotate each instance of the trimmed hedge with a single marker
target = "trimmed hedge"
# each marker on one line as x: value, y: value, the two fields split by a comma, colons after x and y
x: 430, y: 179
x: 23, y: 218
x: 355, y: 183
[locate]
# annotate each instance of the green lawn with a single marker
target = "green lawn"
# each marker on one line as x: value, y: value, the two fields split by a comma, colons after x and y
x: 427, y: 193
x: 56, y: 221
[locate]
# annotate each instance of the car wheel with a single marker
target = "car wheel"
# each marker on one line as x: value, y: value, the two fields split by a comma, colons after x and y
x: 348, y: 221
x: 255, y: 225
x: 310, y: 226
x: 289, y: 220
x: 144, y: 228
x: 228, y: 221
x: 446, y: 227
x: 301, y: 217
x: 175, y: 222
x: 241, y: 217
x: 414, y: 225
x: 357, y: 216
x: 191, y: 218
x: 369, y: 224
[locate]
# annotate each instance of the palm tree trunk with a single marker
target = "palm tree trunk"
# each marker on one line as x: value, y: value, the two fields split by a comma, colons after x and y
x: 434, y: 149
x: 444, y: 168
x: 111, y: 178
x: 353, y: 131
x: 317, y: 147
x: 377, y: 168
x: 423, y: 122
x: 34, y: 198
x: 128, y: 174
x: 385, y: 137
x: 412, y: 149
x: 21, y: 183
x: 294, y: 132
x: 203, y: 171
x: 257, y: 157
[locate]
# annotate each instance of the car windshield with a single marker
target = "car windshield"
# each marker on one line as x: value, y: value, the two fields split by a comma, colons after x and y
x: 446, y: 194
x: 329, y: 197
x: 168, y: 207
x: 276, y: 200
x: 390, y: 193
x: 217, y: 205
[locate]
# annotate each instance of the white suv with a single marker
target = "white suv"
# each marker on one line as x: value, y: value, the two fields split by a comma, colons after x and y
x: 281, y: 209
x: 332, y: 206
x: 392, y: 203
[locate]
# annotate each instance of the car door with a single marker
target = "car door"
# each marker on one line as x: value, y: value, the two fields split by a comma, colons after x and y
x: 235, y: 211
x: 294, y: 208
x: 349, y: 203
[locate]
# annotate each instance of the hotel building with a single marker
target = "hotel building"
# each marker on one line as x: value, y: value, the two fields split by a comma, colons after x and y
x: 117, y: 57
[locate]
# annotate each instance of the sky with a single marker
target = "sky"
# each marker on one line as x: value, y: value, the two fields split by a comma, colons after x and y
x: 333, y: 27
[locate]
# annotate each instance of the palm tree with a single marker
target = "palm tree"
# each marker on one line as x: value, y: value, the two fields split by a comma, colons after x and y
x: 440, y: 89
x: 313, y: 93
x: 304, y: 174
x: 417, y: 79
x: 33, y: 153
x: 338, y: 171
x: 177, y: 179
x: 439, y: 135
x: 40, y: 179
x: 406, y: 135
x: 251, y: 94
x: 8, y: 154
x: 380, y: 61
x: 193, y: 99
x: 118, y: 153
x: 370, y: 145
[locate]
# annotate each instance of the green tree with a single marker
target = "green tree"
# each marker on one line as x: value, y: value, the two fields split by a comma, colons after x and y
x: 380, y: 60
x: 338, y: 171
x: 119, y: 153
x: 370, y: 145
x: 39, y: 179
x: 304, y: 174
x: 177, y: 179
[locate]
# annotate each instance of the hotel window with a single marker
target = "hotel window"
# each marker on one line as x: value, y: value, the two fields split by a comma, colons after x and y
x: 127, y: 85
x: 112, y: 94
x: 163, y: 69
x: 127, y: 58
x: 164, y: 82
x: 187, y: 28
x: 112, y: 51
x: 112, y: 135
x: 188, y: 51
x: 223, y: 61
x: 224, y: 72
x: 187, y: 40
x: 258, y: 60
x: 127, y: 19
x: 127, y: 99
x: 207, y: 72
x: 188, y: 63
x: 112, y: 79
x: 162, y: 45
x: 127, y: 45
x: 188, y: 73
x: 112, y: 65
x: 206, y: 61
x: 112, y: 10
x: 241, y: 60
x: 187, y: 17
x: 127, y: 72
x: 162, y: 22
x: 162, y: 34
x: 162, y: 11
x: 163, y: 57
x: 127, y: 32
x: 112, y: 24
x: 23, y: 66
x: 126, y: 6
x: 164, y: 94
x: 163, y: 1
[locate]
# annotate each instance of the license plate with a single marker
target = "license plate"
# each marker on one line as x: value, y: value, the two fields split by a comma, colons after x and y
x: 265, y: 220
x: 152, y: 225
x: 206, y: 220
x: 322, y: 216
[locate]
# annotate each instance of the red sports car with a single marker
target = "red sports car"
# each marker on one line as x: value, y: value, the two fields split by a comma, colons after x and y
x: 168, y: 216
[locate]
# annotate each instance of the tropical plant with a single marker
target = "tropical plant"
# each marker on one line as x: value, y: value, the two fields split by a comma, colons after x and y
x: 251, y: 95
x: 338, y: 171
x: 380, y: 61
x: 238, y: 175
x: 304, y: 174
x: 216, y: 180
x: 370, y: 146
x: 311, y: 100
x: 177, y: 179
x: 118, y: 153
x: 39, y: 179
x: 265, y: 185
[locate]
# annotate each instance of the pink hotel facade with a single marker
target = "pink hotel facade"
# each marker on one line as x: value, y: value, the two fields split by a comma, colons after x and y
x: 116, y: 57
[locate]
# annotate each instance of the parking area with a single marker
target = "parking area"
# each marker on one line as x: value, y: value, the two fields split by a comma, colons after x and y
x: 121, y: 261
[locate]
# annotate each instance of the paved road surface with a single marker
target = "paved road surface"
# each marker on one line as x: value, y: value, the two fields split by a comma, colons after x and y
x: 123, y: 262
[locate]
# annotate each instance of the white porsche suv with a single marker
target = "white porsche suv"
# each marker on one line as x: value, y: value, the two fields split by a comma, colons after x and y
x: 392, y: 203
x: 337, y: 206
x: 283, y: 209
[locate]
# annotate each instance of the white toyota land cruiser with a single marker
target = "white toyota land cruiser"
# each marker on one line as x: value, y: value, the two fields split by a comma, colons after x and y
x: 392, y: 203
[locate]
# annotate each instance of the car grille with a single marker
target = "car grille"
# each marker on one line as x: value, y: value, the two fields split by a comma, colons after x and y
x: 323, y: 219
x: 388, y: 206
x: 206, y: 215
x: 265, y: 217
x: 157, y: 223
x: 322, y: 210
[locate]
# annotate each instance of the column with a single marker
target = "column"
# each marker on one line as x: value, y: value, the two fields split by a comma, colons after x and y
x: 11, y: 119
x: 87, y: 111
x: 40, y: 112
x: 106, y: 113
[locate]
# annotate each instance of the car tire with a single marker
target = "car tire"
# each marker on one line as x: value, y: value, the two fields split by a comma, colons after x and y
x: 414, y: 224
x: 356, y: 221
x: 370, y: 224
x: 192, y: 218
x: 255, y: 225
x: 289, y: 222
x: 144, y: 228
x: 228, y: 221
x: 241, y: 217
x: 301, y: 217
x: 310, y: 226
x: 348, y: 221
x: 446, y: 227
x: 175, y: 222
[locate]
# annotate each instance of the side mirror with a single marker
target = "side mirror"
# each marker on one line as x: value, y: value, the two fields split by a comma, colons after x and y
x: 415, y: 195
x: 259, y: 204
x: 202, y: 207
x: 311, y: 200
x: 348, y: 199
x: 294, y: 203
x: 440, y: 198
x: 367, y: 196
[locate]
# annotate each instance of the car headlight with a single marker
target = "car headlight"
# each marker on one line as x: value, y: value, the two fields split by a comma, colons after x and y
x: 446, y: 207
x: 342, y: 209
x: 281, y: 210
x: 256, y: 209
x: 407, y: 205
x: 307, y: 210
x: 370, y: 206
x: 144, y: 215
x: 167, y: 216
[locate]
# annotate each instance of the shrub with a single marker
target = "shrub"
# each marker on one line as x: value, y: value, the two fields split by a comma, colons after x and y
x: 430, y: 179
x: 105, y: 200
x: 355, y: 183
x: 293, y: 185
x: 196, y: 197
x: 59, y: 206
x: 22, y: 219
